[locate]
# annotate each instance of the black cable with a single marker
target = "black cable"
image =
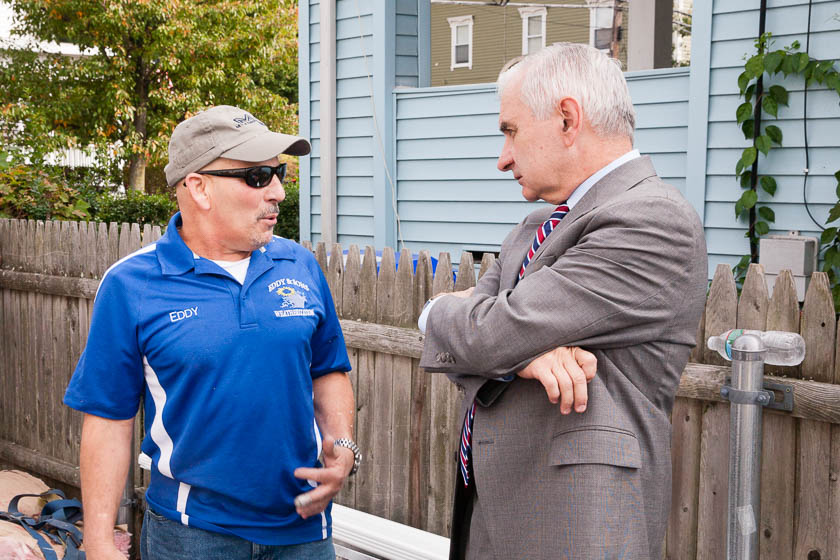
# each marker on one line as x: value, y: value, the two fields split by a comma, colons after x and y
x: 805, y: 128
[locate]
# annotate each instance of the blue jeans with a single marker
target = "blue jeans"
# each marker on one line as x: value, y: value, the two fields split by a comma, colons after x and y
x: 163, y: 539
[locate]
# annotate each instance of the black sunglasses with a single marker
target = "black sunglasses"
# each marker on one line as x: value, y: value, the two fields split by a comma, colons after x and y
x: 257, y: 177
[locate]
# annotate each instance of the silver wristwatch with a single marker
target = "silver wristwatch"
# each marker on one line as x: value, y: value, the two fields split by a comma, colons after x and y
x: 357, y: 455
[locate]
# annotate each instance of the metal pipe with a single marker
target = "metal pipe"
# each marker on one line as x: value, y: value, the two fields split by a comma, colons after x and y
x: 746, y: 401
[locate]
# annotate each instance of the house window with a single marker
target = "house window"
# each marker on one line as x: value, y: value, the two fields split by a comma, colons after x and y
x: 462, y: 31
x: 533, y: 29
x: 601, y: 28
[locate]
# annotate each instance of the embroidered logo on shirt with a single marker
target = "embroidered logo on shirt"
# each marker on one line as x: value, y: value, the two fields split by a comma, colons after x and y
x: 187, y: 313
x: 293, y: 298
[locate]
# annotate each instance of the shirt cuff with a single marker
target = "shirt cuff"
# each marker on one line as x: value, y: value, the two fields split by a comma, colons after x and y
x: 424, y: 315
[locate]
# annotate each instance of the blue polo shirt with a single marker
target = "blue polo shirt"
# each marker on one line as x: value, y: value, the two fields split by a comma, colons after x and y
x: 227, y: 370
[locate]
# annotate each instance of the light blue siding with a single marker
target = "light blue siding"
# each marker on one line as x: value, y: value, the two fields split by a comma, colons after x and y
x: 735, y: 26
x: 441, y: 144
x: 450, y: 194
x: 363, y: 65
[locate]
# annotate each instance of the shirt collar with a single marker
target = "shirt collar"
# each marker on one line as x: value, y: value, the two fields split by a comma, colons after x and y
x: 584, y: 187
x: 176, y: 258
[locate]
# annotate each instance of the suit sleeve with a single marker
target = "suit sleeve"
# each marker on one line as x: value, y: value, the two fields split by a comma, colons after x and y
x: 620, y: 285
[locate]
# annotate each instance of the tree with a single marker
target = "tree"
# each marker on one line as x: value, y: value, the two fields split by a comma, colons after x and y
x: 146, y: 65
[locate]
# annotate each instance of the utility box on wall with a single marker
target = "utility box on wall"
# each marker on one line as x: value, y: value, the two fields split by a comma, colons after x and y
x: 794, y: 252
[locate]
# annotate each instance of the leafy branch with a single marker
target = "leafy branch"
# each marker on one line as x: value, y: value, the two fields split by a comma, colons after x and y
x: 757, y: 102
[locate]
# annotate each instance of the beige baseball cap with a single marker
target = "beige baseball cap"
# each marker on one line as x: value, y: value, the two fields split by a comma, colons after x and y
x: 225, y: 131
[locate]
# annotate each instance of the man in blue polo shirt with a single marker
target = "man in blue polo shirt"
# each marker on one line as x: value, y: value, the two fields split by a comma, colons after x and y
x: 231, y: 336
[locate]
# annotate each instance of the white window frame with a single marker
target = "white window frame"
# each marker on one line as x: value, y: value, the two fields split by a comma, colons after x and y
x: 454, y: 24
x: 595, y: 11
x: 526, y: 14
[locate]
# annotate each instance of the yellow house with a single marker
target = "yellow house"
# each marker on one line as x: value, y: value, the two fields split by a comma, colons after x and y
x: 472, y: 40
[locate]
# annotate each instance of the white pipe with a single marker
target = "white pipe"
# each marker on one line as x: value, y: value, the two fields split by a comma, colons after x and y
x: 383, y: 538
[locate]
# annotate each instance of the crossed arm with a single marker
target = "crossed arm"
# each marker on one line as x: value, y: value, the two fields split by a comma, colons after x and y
x: 563, y: 372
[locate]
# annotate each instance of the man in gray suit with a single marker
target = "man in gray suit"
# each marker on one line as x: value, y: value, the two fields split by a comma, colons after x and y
x: 618, y: 268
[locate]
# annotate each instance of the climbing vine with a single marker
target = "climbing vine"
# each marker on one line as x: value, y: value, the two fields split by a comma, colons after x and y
x: 758, y: 102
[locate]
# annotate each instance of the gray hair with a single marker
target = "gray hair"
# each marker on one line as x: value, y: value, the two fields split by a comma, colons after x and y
x: 579, y: 71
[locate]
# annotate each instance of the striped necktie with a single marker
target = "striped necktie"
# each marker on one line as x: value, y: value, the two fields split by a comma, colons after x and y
x: 542, y: 233
x: 466, y: 432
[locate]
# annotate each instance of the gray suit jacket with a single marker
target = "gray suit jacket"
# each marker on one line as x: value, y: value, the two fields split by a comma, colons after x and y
x: 624, y: 276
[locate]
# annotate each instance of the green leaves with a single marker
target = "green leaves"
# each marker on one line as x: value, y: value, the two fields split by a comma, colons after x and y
x: 747, y: 201
x: 770, y: 105
x: 748, y: 157
x: 743, y: 112
x: 779, y: 94
x: 748, y: 128
x: 775, y: 133
x: 743, y: 81
x: 763, y: 144
x: 828, y: 235
x: 802, y: 62
x: 773, y: 61
x: 769, y: 185
x: 746, y: 179
x: 761, y: 228
x: 789, y: 64
x: 169, y: 59
x: 767, y: 213
x: 755, y: 66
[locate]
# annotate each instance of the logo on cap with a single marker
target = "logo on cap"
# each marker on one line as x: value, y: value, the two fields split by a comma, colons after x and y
x: 245, y: 120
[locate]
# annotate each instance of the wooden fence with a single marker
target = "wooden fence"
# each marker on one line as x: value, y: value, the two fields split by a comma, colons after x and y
x: 407, y: 421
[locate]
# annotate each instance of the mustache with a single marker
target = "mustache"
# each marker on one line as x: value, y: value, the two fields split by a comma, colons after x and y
x: 269, y: 211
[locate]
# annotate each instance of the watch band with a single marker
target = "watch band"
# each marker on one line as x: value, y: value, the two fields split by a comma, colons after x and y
x: 357, y: 455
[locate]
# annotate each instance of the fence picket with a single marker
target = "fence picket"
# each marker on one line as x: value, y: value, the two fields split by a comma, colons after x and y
x: 124, y: 243
x: 156, y: 233
x: 383, y: 405
x: 4, y: 246
x: 113, y: 243
x: 778, y: 465
x: 365, y: 426
x: 420, y: 462
x: 17, y: 245
x: 5, y: 415
x: 335, y: 274
x: 400, y: 467
x: 352, y: 284
x: 818, y: 329
x: 466, y: 272
x: 721, y: 309
x: 29, y: 394
x: 350, y: 310
x: 321, y: 256
x: 102, y: 259
x: 834, y: 468
x: 487, y: 260
x: 442, y: 410
x: 442, y: 281
x: 754, y: 300
x: 65, y: 246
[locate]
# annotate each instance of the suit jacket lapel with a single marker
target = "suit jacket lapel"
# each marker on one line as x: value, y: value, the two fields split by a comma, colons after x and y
x: 611, y: 185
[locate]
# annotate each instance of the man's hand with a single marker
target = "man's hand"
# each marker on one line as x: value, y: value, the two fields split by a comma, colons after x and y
x: 338, y: 462
x: 564, y: 372
x: 462, y: 294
